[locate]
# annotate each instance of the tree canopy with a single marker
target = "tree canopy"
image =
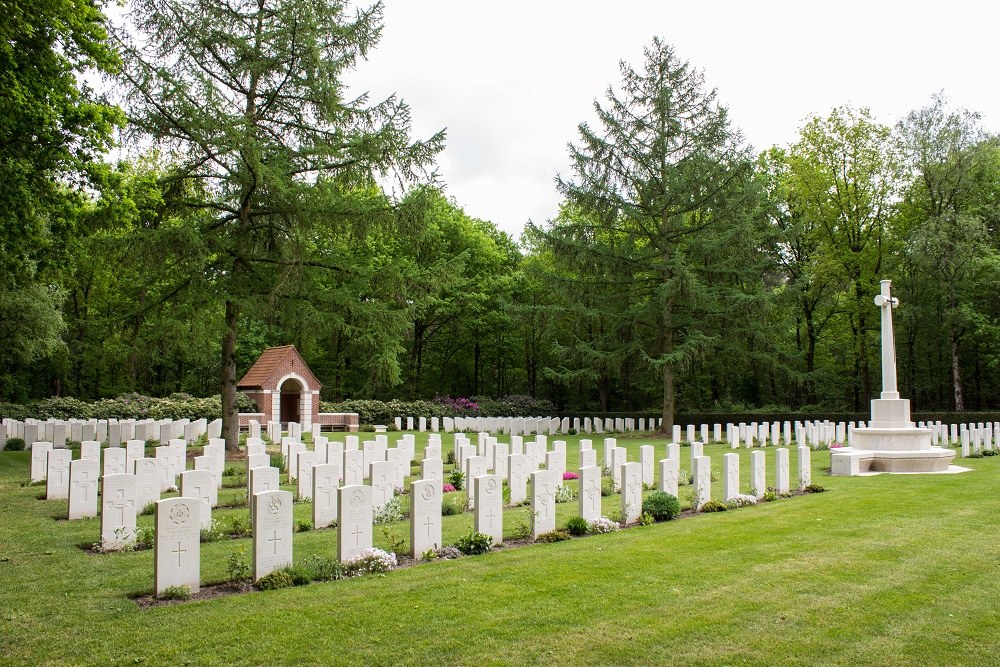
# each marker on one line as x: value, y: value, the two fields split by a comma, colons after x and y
x: 255, y: 202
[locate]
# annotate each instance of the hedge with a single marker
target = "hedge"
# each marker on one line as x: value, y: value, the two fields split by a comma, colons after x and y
x: 126, y: 406
x: 383, y: 412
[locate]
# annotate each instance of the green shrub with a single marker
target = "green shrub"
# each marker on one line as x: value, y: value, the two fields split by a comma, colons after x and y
x: 213, y: 533
x: 457, y: 479
x: 323, y: 568
x: 769, y: 496
x: 303, y: 526
x: 275, y: 580
x: 553, y: 536
x: 814, y: 488
x: 14, y: 445
x: 144, y: 538
x: 646, y: 519
x: 393, y: 511
x: 300, y: 576
x: 564, y: 494
x: 126, y: 406
x: 661, y: 506
x: 449, y: 458
x: 607, y: 486
x: 176, y: 593
x: 474, y: 544
x: 239, y: 526
x: 713, y: 506
x: 238, y: 567
x: 449, y: 508
x: 148, y: 510
x: 396, y: 541
x: 577, y: 525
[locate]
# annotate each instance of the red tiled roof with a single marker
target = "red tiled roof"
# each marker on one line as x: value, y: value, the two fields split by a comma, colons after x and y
x: 262, y: 375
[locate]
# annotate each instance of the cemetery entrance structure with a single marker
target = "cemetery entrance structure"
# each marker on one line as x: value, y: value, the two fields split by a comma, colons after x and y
x: 286, y: 391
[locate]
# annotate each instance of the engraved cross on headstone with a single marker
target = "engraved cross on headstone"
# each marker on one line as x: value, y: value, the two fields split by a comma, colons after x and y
x: 120, y: 504
x: 83, y: 483
x: 327, y: 490
x: 179, y: 551
x: 274, y: 539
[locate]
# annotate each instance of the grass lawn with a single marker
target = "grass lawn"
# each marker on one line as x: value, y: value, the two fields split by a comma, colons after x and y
x: 885, y: 570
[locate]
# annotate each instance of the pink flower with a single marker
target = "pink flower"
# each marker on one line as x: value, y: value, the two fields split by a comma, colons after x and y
x: 570, y: 475
x: 447, y: 488
x: 835, y: 445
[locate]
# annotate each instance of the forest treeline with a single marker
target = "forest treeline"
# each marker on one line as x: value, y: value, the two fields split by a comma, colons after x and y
x: 258, y: 204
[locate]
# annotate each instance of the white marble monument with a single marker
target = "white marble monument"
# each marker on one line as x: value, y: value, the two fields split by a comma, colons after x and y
x: 890, y: 442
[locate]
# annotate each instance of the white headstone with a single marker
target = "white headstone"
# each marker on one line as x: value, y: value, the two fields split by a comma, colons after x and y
x: 669, y: 476
x: 198, y: 484
x: 757, y: 482
x: 730, y: 476
x: 432, y: 469
x: 306, y: 460
x: 805, y: 467
x: 114, y: 461
x: 39, y: 460
x: 134, y: 450
x: 500, y: 453
x: 354, y: 520
x: 83, y: 474
x: 474, y: 467
x: 697, y: 449
x: 57, y: 474
x: 517, y: 470
x: 117, y: 511
x: 590, y: 492
x: 543, y: 502
x: 177, y: 547
x: 326, y: 479
x: 354, y: 470
x: 781, y: 470
x: 488, y: 515
x: 383, y: 476
x: 147, y: 483
x: 272, y: 532
x: 619, y: 457
x: 701, y: 473
x: 631, y: 476
x: 425, y: 516
x: 90, y: 449
x: 646, y: 463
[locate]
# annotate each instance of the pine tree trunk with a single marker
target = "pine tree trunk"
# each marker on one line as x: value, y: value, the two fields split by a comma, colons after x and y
x: 230, y: 415
x: 668, y: 371
x: 956, y: 374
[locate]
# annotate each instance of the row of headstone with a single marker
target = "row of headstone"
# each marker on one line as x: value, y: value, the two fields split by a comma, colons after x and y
x: 112, y: 431
x: 972, y: 438
x: 525, y: 425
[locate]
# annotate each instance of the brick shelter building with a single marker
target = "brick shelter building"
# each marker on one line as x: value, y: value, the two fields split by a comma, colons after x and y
x: 285, y: 390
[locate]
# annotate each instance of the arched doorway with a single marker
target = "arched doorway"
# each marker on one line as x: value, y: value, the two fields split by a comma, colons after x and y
x: 291, y: 401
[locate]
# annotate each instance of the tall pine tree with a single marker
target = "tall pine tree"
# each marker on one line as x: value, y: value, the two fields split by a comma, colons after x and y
x: 665, y: 194
x: 248, y: 99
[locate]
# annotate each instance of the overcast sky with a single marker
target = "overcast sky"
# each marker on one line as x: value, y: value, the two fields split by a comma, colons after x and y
x: 511, y: 80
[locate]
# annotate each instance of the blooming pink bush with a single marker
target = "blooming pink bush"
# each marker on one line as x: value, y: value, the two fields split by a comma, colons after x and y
x: 835, y: 445
x: 447, y: 488
x: 570, y: 475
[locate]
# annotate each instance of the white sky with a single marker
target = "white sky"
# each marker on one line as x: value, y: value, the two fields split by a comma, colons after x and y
x: 510, y: 80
